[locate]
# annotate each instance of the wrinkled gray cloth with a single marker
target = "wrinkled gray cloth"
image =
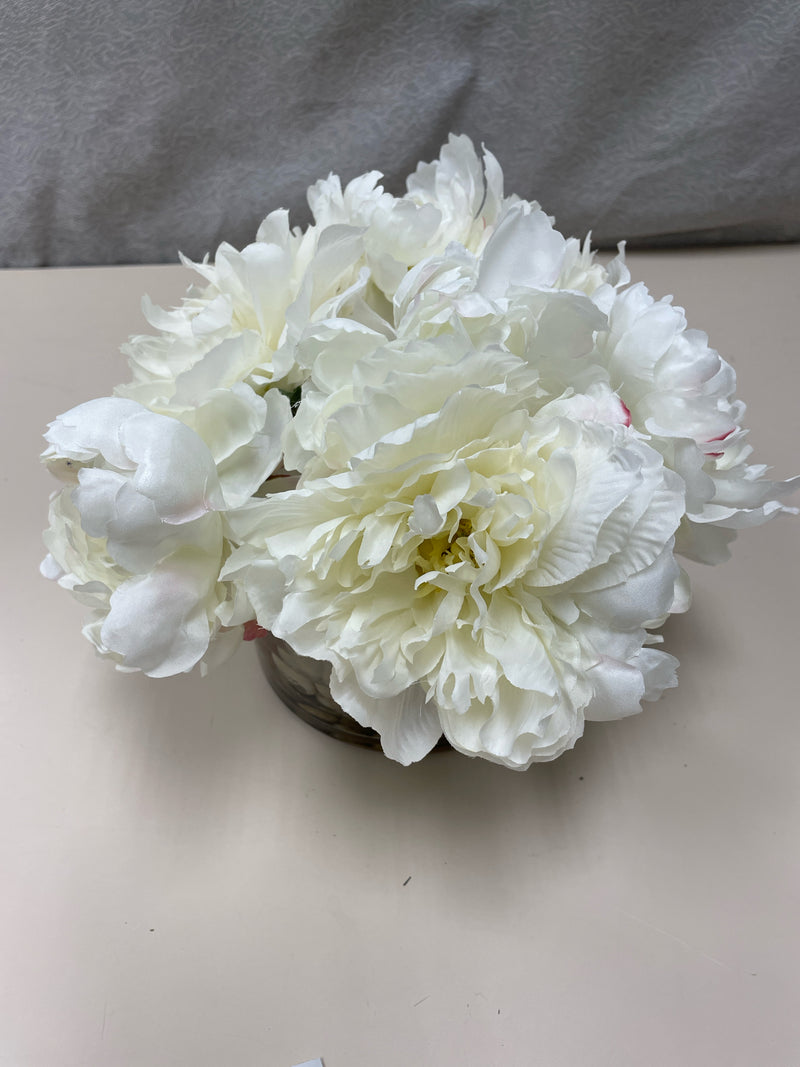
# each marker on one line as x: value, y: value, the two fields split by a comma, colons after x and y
x: 135, y: 128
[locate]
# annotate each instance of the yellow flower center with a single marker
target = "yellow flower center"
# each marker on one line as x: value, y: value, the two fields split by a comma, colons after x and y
x: 442, y: 551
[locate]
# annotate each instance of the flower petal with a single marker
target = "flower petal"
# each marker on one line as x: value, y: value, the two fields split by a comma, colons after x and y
x: 158, y: 623
x: 408, y: 724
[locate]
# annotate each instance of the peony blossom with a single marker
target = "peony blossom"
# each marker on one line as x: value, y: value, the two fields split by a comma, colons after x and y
x: 480, y: 571
x: 682, y: 394
x: 139, y: 533
x: 249, y: 313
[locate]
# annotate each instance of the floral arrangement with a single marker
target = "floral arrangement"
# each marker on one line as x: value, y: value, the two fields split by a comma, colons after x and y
x: 428, y: 440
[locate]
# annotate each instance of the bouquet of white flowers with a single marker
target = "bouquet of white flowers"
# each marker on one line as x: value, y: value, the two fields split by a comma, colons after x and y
x: 428, y: 440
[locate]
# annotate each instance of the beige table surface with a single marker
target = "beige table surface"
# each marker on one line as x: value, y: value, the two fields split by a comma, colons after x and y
x: 192, y: 877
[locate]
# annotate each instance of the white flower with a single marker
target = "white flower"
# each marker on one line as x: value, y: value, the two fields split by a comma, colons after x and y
x: 254, y: 306
x: 479, y: 571
x: 467, y: 195
x: 241, y: 428
x: 682, y: 394
x: 496, y: 305
x: 139, y: 535
x: 456, y: 198
x: 389, y: 386
x: 447, y: 306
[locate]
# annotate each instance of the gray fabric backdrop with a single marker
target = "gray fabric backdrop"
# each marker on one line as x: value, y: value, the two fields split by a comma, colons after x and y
x: 134, y: 128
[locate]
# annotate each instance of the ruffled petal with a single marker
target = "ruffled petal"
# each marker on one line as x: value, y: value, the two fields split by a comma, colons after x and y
x: 408, y: 724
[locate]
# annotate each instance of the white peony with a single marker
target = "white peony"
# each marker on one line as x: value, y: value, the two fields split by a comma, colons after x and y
x: 247, y: 317
x: 682, y: 394
x: 456, y: 198
x: 139, y: 533
x: 480, y: 571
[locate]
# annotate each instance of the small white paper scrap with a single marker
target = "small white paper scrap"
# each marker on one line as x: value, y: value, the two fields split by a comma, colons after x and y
x: 310, y: 1063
